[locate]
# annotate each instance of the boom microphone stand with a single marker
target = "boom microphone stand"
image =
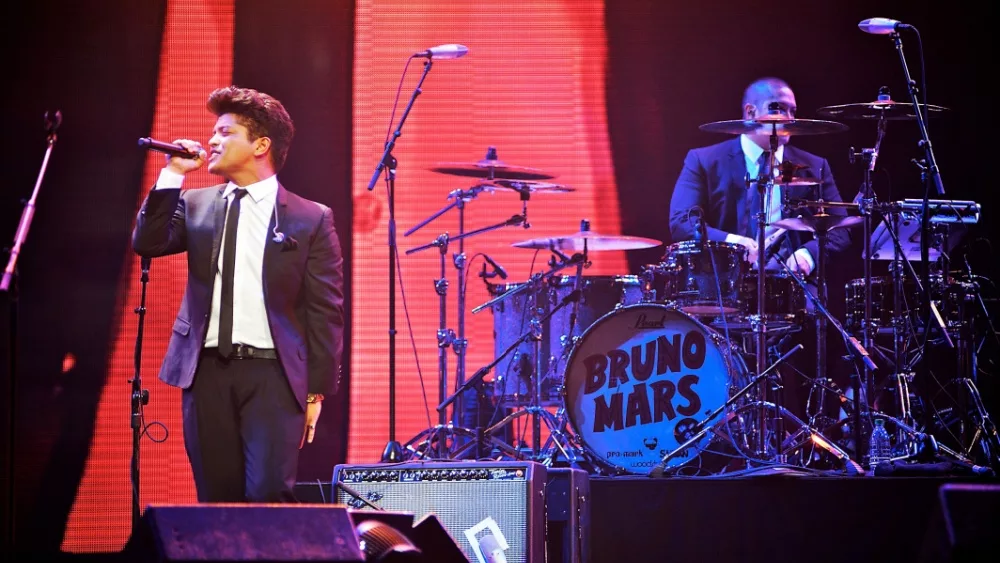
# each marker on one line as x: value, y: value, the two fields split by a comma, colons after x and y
x: 393, y: 451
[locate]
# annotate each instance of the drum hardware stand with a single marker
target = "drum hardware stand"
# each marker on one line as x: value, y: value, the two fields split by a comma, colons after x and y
x: 764, y: 183
x: 534, y: 332
x: 446, y: 337
x: 852, y: 344
x: 702, y: 427
x: 866, y: 200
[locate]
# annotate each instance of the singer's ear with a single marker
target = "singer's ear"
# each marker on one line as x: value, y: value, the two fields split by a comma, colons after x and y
x: 261, y: 146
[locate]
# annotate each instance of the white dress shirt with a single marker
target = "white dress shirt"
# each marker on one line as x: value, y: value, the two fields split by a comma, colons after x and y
x: 250, y: 325
x: 772, y: 200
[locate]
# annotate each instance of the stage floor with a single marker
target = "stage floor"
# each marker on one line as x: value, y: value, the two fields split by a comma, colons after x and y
x: 777, y: 518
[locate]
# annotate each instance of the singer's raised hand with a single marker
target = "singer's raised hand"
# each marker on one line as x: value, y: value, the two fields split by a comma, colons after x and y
x: 185, y: 165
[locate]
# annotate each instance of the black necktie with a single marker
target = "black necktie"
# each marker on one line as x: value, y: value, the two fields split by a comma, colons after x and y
x: 228, y: 265
x: 763, y: 164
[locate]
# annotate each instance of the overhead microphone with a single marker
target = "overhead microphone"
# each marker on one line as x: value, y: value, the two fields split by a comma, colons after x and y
x: 882, y: 26
x: 448, y: 51
x: 173, y: 149
x: 499, y: 269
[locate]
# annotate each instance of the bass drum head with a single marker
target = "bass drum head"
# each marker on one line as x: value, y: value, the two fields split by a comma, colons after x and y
x: 640, y: 378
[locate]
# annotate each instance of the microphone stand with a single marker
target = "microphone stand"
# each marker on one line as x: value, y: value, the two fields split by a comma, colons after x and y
x: 393, y: 451
x: 51, y: 125
x: 702, y: 427
x: 9, y: 285
x: 139, y: 396
x: 932, y: 176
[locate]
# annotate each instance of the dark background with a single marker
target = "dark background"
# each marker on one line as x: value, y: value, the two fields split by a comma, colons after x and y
x: 672, y: 67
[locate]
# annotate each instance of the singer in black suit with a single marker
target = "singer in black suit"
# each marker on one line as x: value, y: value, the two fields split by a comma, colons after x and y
x: 257, y: 343
x: 712, y: 188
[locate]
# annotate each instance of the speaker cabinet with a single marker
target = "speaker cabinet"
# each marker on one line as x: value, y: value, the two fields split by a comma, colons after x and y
x: 245, y: 532
x: 567, y: 514
x: 472, y: 500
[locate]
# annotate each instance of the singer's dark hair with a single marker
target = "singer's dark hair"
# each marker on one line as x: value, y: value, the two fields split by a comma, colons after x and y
x: 262, y: 114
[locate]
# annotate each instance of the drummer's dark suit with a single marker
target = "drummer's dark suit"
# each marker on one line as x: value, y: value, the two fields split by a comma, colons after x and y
x: 714, y: 179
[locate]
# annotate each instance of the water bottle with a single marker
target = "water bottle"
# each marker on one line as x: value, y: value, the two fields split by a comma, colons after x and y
x: 879, y: 448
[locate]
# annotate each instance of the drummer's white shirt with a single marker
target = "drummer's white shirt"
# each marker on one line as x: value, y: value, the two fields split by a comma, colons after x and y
x: 751, y: 154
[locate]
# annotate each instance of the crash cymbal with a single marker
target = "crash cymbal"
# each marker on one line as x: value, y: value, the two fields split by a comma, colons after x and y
x: 782, y: 126
x: 532, y: 187
x: 887, y: 109
x: 595, y: 241
x: 491, y: 169
x: 820, y: 223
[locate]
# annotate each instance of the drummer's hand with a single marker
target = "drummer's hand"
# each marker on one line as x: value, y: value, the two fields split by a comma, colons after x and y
x: 746, y: 242
x: 180, y: 165
x: 800, y: 262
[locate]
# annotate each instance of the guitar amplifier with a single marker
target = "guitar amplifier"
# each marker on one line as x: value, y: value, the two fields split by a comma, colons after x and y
x: 498, y: 503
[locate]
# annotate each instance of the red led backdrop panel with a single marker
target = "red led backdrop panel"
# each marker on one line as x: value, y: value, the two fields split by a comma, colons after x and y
x: 532, y: 86
x: 196, y: 58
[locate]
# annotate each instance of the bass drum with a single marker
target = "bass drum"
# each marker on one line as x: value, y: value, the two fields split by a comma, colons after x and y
x: 640, y: 378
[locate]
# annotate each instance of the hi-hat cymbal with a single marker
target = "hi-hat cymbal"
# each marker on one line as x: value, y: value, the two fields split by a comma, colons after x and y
x: 820, y: 223
x: 886, y: 109
x: 491, y: 170
x: 532, y: 187
x: 786, y: 175
x: 781, y: 126
x: 594, y: 241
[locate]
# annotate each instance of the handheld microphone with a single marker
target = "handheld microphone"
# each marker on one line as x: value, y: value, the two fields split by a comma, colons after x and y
x: 449, y: 51
x: 172, y: 149
x: 499, y: 269
x: 882, y: 26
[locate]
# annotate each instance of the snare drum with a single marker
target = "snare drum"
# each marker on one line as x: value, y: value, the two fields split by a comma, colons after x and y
x: 784, y: 302
x: 512, y: 317
x: 700, y: 278
x: 640, y: 378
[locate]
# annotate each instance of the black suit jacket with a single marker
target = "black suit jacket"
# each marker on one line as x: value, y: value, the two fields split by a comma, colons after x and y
x: 303, y: 287
x: 714, y: 178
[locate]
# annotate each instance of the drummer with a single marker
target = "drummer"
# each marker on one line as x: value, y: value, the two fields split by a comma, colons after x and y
x: 713, y: 183
x: 713, y: 186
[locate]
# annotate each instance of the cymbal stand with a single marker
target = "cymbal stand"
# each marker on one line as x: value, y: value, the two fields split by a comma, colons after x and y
x: 866, y: 202
x: 764, y: 183
x: 447, y: 337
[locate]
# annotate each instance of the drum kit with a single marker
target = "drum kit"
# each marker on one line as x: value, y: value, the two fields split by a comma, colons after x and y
x: 645, y: 374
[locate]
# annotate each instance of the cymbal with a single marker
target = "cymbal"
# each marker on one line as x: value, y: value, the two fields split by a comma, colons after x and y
x: 888, y: 109
x: 796, y: 181
x: 786, y: 175
x: 491, y: 170
x: 782, y: 126
x: 532, y: 187
x: 820, y: 223
x: 595, y: 241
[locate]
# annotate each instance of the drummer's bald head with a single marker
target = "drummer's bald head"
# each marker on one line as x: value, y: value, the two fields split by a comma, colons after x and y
x: 762, y: 91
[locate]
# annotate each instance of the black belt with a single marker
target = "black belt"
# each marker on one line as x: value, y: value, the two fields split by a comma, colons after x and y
x: 244, y: 352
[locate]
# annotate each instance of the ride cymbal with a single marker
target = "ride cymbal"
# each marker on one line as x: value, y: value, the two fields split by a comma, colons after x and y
x: 781, y: 126
x: 594, y: 241
x: 887, y: 109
